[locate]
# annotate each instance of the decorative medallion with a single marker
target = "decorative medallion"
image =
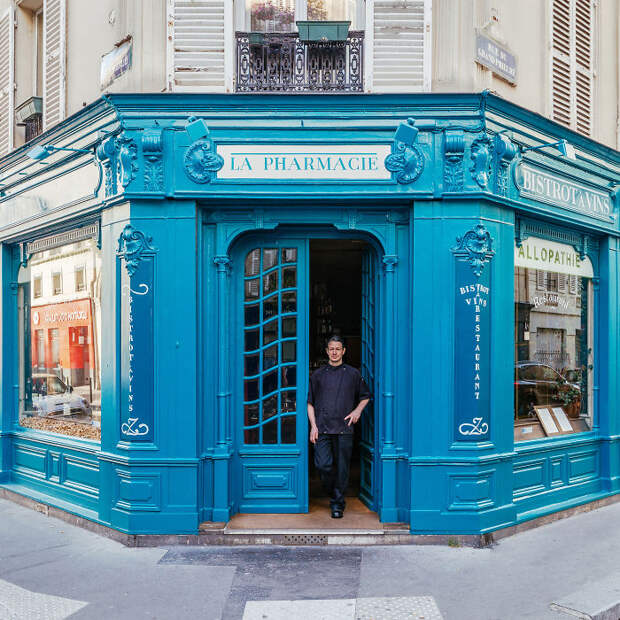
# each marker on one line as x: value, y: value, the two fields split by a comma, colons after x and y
x: 201, y: 162
x: 477, y: 246
x: 406, y: 160
x: 134, y: 245
x: 127, y: 156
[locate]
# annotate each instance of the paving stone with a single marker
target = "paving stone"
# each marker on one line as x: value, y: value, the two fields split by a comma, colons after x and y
x: 334, y: 609
x: 20, y: 604
x: 397, y: 608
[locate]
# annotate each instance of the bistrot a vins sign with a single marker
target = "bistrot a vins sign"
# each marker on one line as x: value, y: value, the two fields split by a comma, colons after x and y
x: 307, y: 162
x: 538, y: 184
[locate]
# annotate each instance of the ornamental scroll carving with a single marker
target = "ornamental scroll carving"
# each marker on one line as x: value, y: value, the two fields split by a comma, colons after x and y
x: 504, y: 152
x: 406, y: 161
x: 134, y: 246
x: 476, y: 246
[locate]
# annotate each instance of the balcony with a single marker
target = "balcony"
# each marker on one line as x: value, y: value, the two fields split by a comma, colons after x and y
x: 281, y: 63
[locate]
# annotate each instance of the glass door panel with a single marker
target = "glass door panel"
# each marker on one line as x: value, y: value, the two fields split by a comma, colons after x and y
x: 272, y: 433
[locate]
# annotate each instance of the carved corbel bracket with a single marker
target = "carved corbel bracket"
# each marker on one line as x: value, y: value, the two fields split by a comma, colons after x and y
x: 118, y: 155
x: 481, y: 161
x: 476, y: 246
x: 406, y: 161
x: 222, y: 263
x: 153, y: 153
x: 454, y: 149
x: 504, y: 151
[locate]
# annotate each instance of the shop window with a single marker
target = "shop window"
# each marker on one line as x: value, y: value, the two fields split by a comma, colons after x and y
x: 57, y: 283
x: 37, y: 286
x: 60, y: 342
x: 553, y: 341
x: 80, y: 279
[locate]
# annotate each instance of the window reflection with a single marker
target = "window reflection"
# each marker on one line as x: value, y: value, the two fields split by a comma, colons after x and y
x: 60, y: 340
x: 553, y: 353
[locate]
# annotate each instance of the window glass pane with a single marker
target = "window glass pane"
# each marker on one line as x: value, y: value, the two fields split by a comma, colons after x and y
x: 270, y: 332
x: 270, y: 432
x: 252, y: 315
x: 270, y: 259
x: 289, y: 401
x: 289, y: 376
x: 553, y: 353
x: 289, y: 327
x: 251, y: 365
x: 289, y: 255
x: 251, y: 340
x: 289, y: 302
x: 252, y: 263
x: 289, y: 430
x: 270, y: 282
x: 270, y: 357
x: 270, y: 307
x: 251, y: 289
x: 251, y: 389
x: 271, y: 15
x: 289, y: 277
x: 270, y: 407
x: 289, y: 351
x: 60, y: 341
x: 333, y: 10
x: 270, y: 383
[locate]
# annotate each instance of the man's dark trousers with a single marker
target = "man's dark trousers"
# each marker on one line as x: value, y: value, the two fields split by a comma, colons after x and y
x: 332, y: 458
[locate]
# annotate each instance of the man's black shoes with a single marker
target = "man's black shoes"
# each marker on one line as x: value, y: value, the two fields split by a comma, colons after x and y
x: 337, y: 513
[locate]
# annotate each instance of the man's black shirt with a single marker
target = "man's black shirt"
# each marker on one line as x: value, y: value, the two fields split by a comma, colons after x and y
x: 334, y: 392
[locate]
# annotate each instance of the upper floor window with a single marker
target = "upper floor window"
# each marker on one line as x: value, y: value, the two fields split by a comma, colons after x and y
x: 281, y: 15
x: 572, y: 69
x: 80, y: 279
x: 37, y: 286
x: 56, y: 283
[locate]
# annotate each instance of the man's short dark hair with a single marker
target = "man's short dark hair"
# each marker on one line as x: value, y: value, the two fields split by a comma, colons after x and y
x: 335, y: 338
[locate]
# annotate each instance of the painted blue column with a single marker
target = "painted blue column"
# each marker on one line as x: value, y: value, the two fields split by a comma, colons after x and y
x: 8, y: 357
x: 388, y: 504
x: 462, y: 430
x: 222, y: 452
x: 149, y: 462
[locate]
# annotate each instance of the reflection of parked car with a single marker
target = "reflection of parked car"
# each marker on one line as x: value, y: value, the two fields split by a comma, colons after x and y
x: 539, y: 384
x: 51, y: 396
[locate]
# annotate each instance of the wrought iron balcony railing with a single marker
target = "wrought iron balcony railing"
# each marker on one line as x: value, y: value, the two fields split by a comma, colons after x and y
x: 280, y: 62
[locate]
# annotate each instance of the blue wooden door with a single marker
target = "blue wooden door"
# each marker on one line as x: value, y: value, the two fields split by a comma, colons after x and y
x: 367, y: 421
x: 271, y: 430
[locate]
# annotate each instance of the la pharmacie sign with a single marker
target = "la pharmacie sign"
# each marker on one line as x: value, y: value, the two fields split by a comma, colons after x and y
x: 540, y: 185
x: 308, y: 162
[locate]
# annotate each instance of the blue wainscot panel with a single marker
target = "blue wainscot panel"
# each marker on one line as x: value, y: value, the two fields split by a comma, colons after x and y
x: 552, y: 476
x: 67, y: 473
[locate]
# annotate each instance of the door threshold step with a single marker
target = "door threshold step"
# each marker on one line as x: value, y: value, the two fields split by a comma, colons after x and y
x: 310, y: 532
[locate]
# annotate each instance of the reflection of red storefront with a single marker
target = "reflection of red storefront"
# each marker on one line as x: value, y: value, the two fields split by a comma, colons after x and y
x: 62, y: 340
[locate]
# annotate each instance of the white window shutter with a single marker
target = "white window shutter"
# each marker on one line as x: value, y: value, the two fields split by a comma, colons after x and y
x: 562, y: 282
x: 572, y: 285
x: 584, y: 20
x: 401, y: 44
x: 199, y: 45
x: 541, y: 280
x: 7, y: 81
x: 571, y: 63
x: 54, y: 62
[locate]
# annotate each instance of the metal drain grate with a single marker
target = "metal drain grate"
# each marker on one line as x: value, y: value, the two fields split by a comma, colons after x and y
x: 305, y: 539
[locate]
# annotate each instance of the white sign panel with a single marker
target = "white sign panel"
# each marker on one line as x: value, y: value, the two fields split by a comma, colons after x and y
x: 306, y: 162
x: 536, y: 253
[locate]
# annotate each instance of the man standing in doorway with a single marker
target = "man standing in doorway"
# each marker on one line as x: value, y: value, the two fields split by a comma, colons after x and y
x: 336, y: 399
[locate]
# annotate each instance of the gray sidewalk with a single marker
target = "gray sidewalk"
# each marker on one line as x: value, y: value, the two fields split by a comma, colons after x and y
x: 52, y: 570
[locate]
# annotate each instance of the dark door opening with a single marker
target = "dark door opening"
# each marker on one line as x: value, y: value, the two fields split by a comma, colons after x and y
x: 341, y: 287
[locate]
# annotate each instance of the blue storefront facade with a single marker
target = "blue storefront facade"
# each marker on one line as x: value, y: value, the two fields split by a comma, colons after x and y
x: 205, y: 214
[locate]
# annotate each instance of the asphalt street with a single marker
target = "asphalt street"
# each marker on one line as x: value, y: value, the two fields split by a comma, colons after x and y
x: 51, y: 570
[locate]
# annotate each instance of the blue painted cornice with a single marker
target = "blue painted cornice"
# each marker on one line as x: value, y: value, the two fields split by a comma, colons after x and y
x: 465, y: 146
